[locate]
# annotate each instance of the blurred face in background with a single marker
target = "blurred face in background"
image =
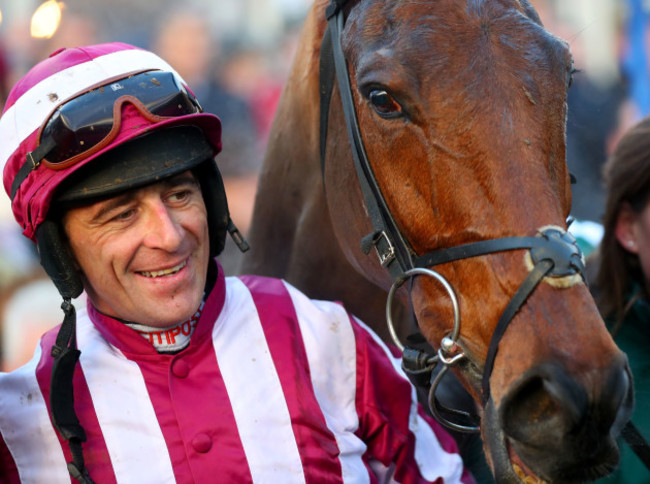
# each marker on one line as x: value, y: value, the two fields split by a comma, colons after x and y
x: 633, y: 233
x: 185, y: 42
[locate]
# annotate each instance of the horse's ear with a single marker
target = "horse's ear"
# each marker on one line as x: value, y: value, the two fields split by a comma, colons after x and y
x: 530, y: 12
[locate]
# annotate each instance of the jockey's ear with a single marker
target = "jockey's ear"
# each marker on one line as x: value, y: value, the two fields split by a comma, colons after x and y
x: 627, y: 227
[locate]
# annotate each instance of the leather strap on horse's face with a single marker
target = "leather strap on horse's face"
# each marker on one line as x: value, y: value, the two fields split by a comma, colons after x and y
x: 555, y: 253
x: 393, y: 250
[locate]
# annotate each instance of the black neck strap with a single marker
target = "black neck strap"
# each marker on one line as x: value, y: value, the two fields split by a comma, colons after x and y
x: 64, y: 417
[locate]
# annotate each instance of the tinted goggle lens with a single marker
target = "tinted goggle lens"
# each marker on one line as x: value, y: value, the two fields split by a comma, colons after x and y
x: 86, y: 120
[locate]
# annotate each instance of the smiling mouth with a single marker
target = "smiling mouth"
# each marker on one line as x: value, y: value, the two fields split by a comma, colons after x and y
x: 164, y: 272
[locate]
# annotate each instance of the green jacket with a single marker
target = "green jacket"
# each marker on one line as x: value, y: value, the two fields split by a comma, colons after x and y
x: 633, y: 338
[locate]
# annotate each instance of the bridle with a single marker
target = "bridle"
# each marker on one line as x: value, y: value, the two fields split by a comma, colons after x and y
x: 553, y: 252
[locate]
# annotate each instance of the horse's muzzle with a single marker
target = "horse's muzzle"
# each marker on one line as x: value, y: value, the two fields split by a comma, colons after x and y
x: 565, y: 430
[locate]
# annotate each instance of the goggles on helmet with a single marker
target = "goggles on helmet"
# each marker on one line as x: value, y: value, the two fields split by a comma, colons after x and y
x: 88, y: 122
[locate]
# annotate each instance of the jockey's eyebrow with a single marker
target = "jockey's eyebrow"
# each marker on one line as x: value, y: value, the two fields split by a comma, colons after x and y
x: 114, y: 203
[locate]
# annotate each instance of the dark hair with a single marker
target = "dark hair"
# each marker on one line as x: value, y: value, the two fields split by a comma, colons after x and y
x: 627, y: 176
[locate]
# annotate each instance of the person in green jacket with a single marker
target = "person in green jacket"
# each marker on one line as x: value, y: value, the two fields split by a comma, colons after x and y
x: 622, y: 285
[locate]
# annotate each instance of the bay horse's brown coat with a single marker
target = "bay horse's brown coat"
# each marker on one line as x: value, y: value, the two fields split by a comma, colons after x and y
x: 472, y: 148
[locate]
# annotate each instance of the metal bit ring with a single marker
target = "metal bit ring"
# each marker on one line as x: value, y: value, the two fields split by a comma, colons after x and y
x: 400, y: 281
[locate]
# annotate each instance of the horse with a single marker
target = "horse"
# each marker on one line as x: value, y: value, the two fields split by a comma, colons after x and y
x: 431, y: 166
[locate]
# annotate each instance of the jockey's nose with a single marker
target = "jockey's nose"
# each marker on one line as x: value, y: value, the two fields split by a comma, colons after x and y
x: 162, y: 231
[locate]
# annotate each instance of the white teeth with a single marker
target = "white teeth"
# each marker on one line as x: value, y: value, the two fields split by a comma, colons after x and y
x: 164, y: 272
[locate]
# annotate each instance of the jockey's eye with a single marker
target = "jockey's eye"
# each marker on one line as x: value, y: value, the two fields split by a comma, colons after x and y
x: 384, y: 103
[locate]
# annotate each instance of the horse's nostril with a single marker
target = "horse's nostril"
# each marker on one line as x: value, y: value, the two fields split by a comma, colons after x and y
x: 553, y: 420
x: 545, y: 406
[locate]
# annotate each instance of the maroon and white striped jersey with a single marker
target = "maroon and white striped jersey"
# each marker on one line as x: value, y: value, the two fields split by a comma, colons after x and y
x: 273, y: 387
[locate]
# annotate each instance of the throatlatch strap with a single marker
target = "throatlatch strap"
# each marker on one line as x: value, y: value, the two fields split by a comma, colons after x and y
x: 64, y: 418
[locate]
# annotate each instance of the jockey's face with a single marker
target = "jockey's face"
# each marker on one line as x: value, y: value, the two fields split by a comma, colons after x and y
x: 144, y: 253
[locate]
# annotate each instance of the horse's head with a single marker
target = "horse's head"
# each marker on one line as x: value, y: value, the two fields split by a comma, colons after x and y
x: 462, y: 107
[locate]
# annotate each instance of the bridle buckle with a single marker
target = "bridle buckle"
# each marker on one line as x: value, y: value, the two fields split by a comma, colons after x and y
x: 385, y: 251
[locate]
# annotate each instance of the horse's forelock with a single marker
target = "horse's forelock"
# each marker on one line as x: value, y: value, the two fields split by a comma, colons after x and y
x: 374, y: 21
x: 523, y: 6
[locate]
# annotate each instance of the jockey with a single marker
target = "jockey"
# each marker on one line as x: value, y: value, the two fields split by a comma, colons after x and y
x: 173, y: 372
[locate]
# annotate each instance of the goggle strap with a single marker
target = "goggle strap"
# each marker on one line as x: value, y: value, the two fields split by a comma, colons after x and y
x: 32, y: 161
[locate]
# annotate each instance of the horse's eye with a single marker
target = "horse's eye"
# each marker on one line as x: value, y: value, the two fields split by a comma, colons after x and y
x: 384, y: 103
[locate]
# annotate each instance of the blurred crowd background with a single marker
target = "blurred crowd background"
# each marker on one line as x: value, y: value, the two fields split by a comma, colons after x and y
x: 235, y: 54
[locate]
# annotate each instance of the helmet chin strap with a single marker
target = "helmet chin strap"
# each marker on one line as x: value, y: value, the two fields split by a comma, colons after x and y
x: 57, y: 262
x: 64, y: 418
